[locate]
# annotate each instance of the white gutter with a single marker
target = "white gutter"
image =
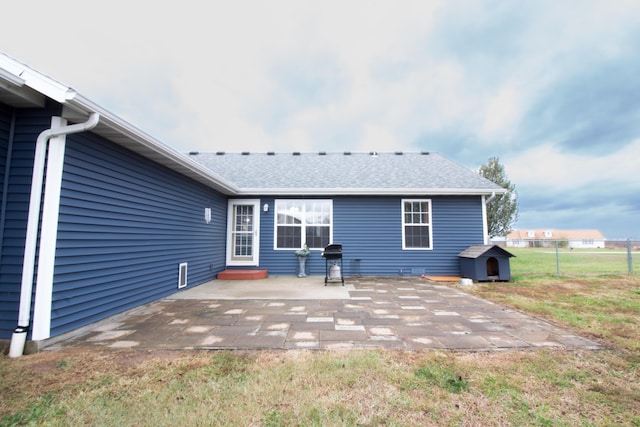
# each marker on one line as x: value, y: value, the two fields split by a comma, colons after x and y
x: 371, y: 191
x: 485, y: 223
x: 11, y: 78
x: 493, y: 194
x: 27, y: 76
x: 19, y: 337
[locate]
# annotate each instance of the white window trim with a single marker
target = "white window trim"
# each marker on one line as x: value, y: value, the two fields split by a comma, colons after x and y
x: 430, y: 224
x: 302, y: 201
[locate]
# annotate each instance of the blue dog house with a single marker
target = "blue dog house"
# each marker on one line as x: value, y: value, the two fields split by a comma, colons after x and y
x: 485, y: 263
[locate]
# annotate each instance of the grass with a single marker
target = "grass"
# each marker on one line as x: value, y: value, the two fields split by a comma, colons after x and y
x: 600, y: 304
x: 358, y: 387
x: 537, y: 261
x: 351, y: 388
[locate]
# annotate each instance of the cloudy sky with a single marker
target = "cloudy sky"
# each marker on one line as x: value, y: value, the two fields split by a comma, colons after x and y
x: 550, y: 87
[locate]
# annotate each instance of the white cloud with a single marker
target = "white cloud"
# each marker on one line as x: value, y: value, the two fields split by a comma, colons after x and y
x: 502, y: 111
x: 545, y: 166
x: 378, y: 138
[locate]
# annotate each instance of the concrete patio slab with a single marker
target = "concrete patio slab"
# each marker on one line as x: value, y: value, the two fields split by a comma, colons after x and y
x: 294, y: 313
x: 270, y: 288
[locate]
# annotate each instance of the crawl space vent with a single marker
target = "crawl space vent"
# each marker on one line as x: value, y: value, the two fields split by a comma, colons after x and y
x: 182, y: 275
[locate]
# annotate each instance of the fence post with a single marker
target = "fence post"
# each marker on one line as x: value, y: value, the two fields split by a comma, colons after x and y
x: 629, y: 257
x: 557, y: 260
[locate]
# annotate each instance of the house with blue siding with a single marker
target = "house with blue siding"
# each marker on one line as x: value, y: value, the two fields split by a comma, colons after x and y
x: 97, y: 217
x: 394, y: 213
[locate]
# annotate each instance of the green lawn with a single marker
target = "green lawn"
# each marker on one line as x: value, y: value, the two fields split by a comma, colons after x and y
x: 536, y: 261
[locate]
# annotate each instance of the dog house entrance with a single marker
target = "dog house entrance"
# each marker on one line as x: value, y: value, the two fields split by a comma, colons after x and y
x: 493, y: 269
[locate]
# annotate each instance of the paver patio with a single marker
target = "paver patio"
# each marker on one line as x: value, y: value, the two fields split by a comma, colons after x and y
x: 398, y: 313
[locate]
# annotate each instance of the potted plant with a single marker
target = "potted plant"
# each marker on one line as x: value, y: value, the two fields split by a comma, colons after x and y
x: 302, y: 255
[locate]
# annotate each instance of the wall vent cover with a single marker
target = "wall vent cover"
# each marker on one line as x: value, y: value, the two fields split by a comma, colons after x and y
x: 182, y: 275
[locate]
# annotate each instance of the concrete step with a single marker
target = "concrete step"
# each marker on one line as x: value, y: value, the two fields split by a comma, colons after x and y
x: 243, y: 274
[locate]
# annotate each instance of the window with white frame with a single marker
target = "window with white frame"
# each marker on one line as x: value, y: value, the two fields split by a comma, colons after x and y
x: 300, y: 222
x: 416, y: 224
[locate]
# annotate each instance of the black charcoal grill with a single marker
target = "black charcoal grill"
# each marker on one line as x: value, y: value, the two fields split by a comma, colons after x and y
x: 332, y: 252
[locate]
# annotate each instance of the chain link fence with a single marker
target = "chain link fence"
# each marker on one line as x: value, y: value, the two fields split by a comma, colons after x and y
x: 561, y: 256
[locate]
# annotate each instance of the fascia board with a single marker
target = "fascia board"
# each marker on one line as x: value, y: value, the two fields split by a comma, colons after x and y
x: 36, y: 80
x: 15, y: 85
x: 10, y: 77
x: 16, y: 90
x: 370, y: 191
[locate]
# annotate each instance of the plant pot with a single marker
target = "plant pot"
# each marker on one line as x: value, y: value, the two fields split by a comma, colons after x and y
x: 302, y: 266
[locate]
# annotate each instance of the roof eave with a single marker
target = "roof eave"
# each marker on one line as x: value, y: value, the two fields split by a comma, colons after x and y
x: 14, y: 92
x: 370, y: 191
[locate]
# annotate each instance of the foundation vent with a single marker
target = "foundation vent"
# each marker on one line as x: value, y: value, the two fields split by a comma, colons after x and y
x: 182, y: 275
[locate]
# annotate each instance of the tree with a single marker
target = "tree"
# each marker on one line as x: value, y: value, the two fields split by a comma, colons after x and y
x: 502, y: 210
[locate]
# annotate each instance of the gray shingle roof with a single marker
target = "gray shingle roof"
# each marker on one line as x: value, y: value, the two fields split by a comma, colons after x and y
x: 342, y: 173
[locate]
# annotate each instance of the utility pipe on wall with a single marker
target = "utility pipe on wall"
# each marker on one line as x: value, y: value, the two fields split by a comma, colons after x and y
x: 19, y: 337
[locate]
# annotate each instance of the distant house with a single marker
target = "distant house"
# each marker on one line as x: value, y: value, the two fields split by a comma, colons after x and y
x: 540, y: 238
x: 98, y: 217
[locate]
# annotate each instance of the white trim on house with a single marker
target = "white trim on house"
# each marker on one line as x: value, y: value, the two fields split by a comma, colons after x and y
x: 428, y: 224
x: 303, y: 214
x: 48, y: 234
x: 485, y: 221
x: 369, y: 191
x: 254, y: 259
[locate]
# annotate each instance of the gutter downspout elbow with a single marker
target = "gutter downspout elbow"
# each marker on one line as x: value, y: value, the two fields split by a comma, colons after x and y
x: 19, y: 337
x: 493, y: 194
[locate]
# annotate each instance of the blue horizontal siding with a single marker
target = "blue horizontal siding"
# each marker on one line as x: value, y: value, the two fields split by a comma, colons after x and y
x: 5, y: 127
x: 7, y: 299
x: 28, y: 123
x: 370, y: 230
x: 126, y: 223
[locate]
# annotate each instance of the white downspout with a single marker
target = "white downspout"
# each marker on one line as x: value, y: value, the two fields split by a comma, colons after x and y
x: 19, y: 337
x: 485, y: 225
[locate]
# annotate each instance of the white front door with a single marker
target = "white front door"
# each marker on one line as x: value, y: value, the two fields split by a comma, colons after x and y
x: 243, y: 232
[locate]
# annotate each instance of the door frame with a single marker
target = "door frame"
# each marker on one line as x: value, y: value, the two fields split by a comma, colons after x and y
x: 255, y: 252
